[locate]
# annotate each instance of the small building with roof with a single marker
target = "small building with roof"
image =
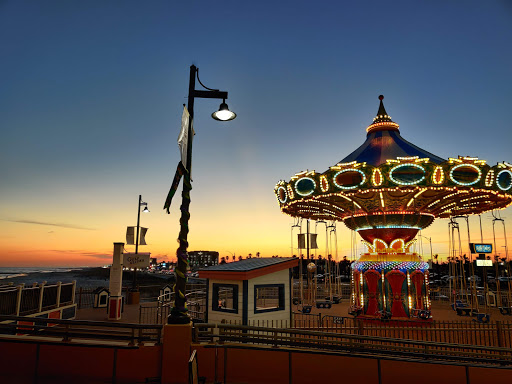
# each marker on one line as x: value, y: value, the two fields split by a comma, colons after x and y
x: 249, y: 290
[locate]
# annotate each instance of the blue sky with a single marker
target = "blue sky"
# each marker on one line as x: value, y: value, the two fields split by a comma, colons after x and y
x: 91, y: 98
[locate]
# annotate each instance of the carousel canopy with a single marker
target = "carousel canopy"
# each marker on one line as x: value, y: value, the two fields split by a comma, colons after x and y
x: 391, y: 185
x: 384, y: 142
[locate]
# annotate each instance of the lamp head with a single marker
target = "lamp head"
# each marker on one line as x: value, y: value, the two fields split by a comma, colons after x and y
x: 224, y: 114
x: 145, y: 210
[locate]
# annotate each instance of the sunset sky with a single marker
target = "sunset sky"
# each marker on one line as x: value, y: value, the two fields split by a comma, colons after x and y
x: 91, y: 96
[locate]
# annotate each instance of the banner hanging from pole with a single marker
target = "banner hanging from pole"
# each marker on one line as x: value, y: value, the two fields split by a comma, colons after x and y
x: 183, y: 136
x: 183, y: 139
x: 130, y: 237
x: 180, y: 170
x: 142, y: 237
x: 312, y: 241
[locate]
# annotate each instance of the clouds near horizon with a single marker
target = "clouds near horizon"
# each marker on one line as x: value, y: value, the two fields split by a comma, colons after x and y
x: 62, y: 225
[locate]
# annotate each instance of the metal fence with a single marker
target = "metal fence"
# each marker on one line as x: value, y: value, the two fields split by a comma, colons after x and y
x: 9, y: 301
x: 148, y: 293
x: 67, y: 330
x: 353, y: 343
x: 492, y: 334
x: 157, y: 312
x: 23, y: 300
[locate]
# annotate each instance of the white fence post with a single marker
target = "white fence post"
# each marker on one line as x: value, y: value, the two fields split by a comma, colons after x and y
x: 18, y: 298
x: 59, y: 287
x: 73, y: 292
x: 41, y: 297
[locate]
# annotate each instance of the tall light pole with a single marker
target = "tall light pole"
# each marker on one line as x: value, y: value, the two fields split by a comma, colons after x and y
x: 431, y: 255
x: 179, y: 313
x: 232, y: 254
x: 134, y: 280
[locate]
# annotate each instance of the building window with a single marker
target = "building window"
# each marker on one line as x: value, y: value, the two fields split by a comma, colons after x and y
x: 225, y: 298
x: 268, y: 298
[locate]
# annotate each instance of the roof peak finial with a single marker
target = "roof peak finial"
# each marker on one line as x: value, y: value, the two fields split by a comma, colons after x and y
x: 382, y: 115
x: 382, y: 121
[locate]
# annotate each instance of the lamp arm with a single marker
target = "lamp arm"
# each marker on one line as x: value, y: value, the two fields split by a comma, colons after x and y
x: 204, y: 86
x: 210, y: 94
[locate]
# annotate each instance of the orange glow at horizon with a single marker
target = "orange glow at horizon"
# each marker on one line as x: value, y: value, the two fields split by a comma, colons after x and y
x: 266, y: 231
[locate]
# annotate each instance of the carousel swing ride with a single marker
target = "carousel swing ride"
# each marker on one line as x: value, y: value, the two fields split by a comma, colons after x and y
x: 388, y: 190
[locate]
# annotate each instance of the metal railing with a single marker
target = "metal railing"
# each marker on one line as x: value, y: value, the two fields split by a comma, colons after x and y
x: 23, y: 300
x: 132, y: 334
x: 158, y: 311
x: 492, y: 334
x: 349, y: 343
x: 9, y: 301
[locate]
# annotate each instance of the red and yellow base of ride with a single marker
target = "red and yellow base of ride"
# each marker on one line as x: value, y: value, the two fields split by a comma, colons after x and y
x: 390, y: 284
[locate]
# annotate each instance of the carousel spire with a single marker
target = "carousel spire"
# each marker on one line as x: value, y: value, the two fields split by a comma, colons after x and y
x: 382, y: 122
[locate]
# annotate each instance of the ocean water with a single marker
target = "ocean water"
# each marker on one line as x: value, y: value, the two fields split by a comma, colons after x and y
x: 14, y: 272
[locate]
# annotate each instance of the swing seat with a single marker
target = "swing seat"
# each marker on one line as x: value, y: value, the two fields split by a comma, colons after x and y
x: 384, y: 315
x: 306, y: 309
x: 505, y: 310
x: 324, y: 304
x: 482, y: 318
x: 464, y: 311
x: 458, y: 304
x: 335, y: 299
x: 355, y: 311
x: 425, y: 314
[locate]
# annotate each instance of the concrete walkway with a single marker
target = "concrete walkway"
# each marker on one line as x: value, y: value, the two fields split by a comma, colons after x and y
x: 129, y: 315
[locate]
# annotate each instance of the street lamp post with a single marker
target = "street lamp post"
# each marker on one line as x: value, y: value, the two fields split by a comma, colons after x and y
x: 431, y: 255
x: 232, y: 254
x: 179, y: 313
x: 134, y: 288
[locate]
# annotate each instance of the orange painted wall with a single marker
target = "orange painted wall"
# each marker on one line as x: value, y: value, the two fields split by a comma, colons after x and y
x: 206, y: 362
x: 394, y: 372
x: 17, y: 362
x: 483, y: 375
x: 71, y: 362
x: 269, y: 367
x: 135, y: 365
x: 65, y: 363
x: 175, y: 365
x: 317, y: 368
x: 272, y: 366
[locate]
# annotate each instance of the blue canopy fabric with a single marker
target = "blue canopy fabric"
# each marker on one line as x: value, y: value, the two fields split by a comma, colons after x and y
x: 387, y: 144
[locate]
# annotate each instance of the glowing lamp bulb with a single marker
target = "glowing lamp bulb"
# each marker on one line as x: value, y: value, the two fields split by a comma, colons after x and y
x: 223, y: 114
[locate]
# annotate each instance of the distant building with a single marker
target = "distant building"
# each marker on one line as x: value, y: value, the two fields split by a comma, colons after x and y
x: 250, y: 290
x: 201, y: 259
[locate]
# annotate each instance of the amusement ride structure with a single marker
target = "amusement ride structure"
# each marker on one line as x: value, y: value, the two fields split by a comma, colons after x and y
x: 387, y: 190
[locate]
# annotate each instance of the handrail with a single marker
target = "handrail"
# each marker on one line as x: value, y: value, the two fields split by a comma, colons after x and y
x: 342, y: 335
x: 286, y: 337
x: 82, y: 329
x: 93, y: 323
